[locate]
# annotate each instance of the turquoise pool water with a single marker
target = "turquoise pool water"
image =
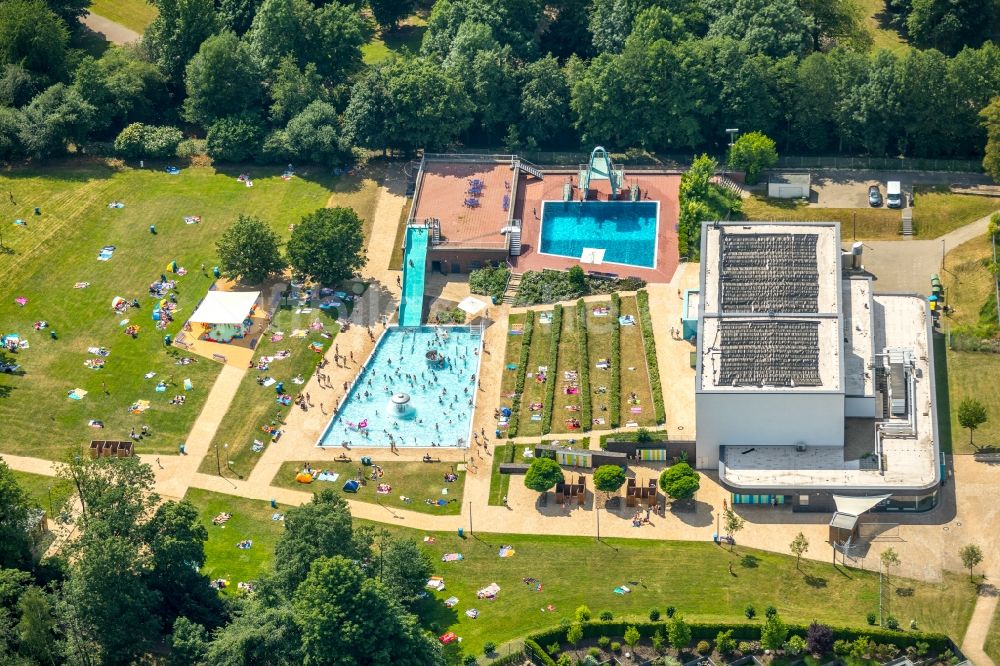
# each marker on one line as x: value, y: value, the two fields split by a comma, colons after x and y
x: 411, y: 304
x: 441, y: 397
x: 626, y: 230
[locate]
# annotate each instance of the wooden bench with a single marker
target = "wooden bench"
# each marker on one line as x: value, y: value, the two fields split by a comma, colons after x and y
x: 987, y: 457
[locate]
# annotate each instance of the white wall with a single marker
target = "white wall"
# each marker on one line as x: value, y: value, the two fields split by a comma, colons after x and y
x: 763, y: 418
x: 859, y: 407
x: 787, y: 191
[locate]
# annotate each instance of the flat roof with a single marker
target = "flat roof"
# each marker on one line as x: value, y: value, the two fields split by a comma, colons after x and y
x: 910, y: 461
x: 790, y: 178
x: 770, y: 307
x: 859, y: 340
x: 442, y: 193
x: 693, y: 298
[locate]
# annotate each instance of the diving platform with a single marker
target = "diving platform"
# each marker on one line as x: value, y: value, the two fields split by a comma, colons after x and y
x: 600, y: 167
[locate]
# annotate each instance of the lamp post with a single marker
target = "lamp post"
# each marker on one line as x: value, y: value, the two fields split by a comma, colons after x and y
x: 218, y: 463
x: 732, y: 131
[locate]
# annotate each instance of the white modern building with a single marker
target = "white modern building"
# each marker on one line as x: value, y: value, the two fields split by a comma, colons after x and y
x: 808, y: 384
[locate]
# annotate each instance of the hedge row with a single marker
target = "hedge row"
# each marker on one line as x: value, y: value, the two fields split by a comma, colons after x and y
x: 743, y: 631
x: 615, y: 392
x: 649, y: 342
x: 522, y: 370
x: 550, y: 384
x: 512, y: 659
x: 536, y: 652
x: 586, y: 413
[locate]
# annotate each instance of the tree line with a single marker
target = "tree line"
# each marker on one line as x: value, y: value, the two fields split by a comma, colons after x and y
x: 278, y: 80
x: 130, y: 581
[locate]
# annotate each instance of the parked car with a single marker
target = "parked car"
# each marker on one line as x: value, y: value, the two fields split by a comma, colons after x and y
x: 874, y: 196
x: 9, y: 368
x: 893, y: 194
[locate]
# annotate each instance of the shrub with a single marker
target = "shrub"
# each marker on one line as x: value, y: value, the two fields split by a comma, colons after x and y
x: 614, y: 393
x: 138, y: 140
x: 892, y: 623
x: 490, y: 280
x: 522, y: 370
x: 582, y: 614
x: 819, y: 638
x: 606, y: 616
x: 871, y: 617
x: 631, y: 636
x: 654, y: 614
x: 550, y: 386
x: 574, y: 634
x: 586, y: 414
x: 773, y: 633
x: 671, y: 661
x: 841, y: 647
x: 725, y: 643
x: 234, y: 138
x: 750, y: 612
x: 745, y: 647
x: 657, y: 640
x: 535, y: 650
x: 670, y: 610
x: 604, y: 641
x: 649, y: 344
x: 553, y: 648
x: 795, y: 646
x: 489, y: 647
x: 615, y: 646
x: 469, y: 660
x: 703, y: 647
x: 594, y: 652
x: 770, y: 611
x: 191, y: 148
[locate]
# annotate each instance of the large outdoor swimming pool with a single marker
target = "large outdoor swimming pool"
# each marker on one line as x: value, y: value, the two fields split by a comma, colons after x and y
x: 418, y: 388
x: 625, y: 230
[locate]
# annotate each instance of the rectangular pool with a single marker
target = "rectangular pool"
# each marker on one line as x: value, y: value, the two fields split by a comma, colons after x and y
x: 405, y: 396
x: 626, y: 230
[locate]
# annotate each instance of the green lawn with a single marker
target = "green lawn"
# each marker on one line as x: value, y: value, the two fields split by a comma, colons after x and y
x: 598, y: 347
x: 41, y: 489
x: 59, y: 248
x: 251, y: 519
x: 936, y: 211
x: 534, y: 391
x: 634, y: 374
x: 883, y: 37
x: 134, y: 14
x: 872, y: 223
x: 385, y: 44
x: 500, y: 483
x: 254, y: 405
x: 992, y: 646
x: 418, y: 481
x: 569, y: 361
x: 691, y: 576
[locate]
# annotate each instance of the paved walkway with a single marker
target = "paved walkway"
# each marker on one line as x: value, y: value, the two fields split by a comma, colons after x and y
x: 979, y: 626
x: 113, y: 32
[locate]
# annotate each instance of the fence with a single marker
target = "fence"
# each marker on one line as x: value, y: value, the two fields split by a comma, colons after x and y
x: 640, y: 159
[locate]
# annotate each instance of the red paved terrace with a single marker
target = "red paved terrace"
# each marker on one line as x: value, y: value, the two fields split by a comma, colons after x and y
x: 444, y: 187
x: 653, y: 186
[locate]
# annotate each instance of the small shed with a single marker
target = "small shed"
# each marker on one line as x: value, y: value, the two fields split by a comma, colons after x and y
x: 789, y: 185
x: 225, y: 315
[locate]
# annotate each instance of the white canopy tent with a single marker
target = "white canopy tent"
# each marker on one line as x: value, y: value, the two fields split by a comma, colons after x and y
x: 224, y: 315
x: 225, y: 307
x: 592, y: 255
x: 471, y: 306
x: 855, y: 506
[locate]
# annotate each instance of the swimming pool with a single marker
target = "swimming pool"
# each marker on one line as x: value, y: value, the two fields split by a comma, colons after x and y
x: 409, y: 395
x: 625, y: 230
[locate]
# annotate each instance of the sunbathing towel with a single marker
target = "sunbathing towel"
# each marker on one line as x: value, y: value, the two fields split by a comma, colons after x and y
x: 451, y: 602
x: 452, y: 557
x: 631, y: 424
x: 472, y: 613
x: 77, y: 394
x: 545, y: 318
x: 601, y: 311
x: 635, y: 410
x: 599, y: 421
x: 627, y: 320
x: 328, y: 476
x: 298, y: 333
x: 81, y: 285
x: 622, y: 590
x: 192, y: 219
x: 188, y: 385
x: 506, y: 551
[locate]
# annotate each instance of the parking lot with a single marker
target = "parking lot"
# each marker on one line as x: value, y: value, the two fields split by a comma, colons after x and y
x: 849, y: 189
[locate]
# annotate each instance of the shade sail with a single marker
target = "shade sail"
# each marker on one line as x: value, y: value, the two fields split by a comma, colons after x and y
x: 471, y: 306
x: 855, y: 506
x: 225, y: 307
x: 592, y: 255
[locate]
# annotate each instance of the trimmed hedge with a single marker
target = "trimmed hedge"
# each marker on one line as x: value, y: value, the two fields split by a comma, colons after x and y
x: 743, y: 631
x: 550, y: 384
x: 522, y: 370
x: 649, y: 342
x: 536, y: 652
x: 615, y: 392
x: 586, y: 413
x: 512, y: 659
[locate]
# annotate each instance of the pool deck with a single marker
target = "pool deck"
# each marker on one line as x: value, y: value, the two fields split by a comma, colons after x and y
x: 660, y: 187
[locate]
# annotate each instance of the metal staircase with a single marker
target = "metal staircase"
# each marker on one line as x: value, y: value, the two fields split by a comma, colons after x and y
x: 530, y: 169
x: 515, y: 238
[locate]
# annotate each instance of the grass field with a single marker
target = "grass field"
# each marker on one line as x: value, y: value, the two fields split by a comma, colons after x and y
x: 598, y: 347
x: 992, y: 646
x: 968, y: 284
x: 133, y: 14
x: 693, y: 577
x: 384, y: 45
x: 417, y: 481
x: 59, y: 248
x: 251, y: 519
x: 872, y: 223
x: 569, y: 361
x: 254, y: 405
x: 534, y: 391
x: 43, y: 489
x: 936, y: 211
x: 882, y: 36
x: 635, y: 376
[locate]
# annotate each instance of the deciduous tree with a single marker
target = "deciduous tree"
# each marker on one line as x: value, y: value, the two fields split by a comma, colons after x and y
x: 608, y: 479
x: 991, y: 156
x: 971, y: 415
x: 221, y: 80
x: 33, y: 37
x: 773, y: 633
x: 404, y: 569
x: 678, y: 633
x: 177, y: 32
x: 328, y: 245
x: 752, y: 153
x: 972, y: 555
x: 799, y: 546
x: 15, y: 545
x: 543, y: 474
x: 679, y: 481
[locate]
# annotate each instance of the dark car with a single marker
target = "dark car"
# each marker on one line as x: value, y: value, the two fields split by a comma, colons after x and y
x: 9, y: 368
x: 874, y: 197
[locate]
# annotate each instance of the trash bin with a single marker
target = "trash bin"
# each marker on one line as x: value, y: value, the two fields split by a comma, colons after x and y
x: 461, y: 532
x: 216, y: 272
x: 152, y: 229
x: 38, y: 211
